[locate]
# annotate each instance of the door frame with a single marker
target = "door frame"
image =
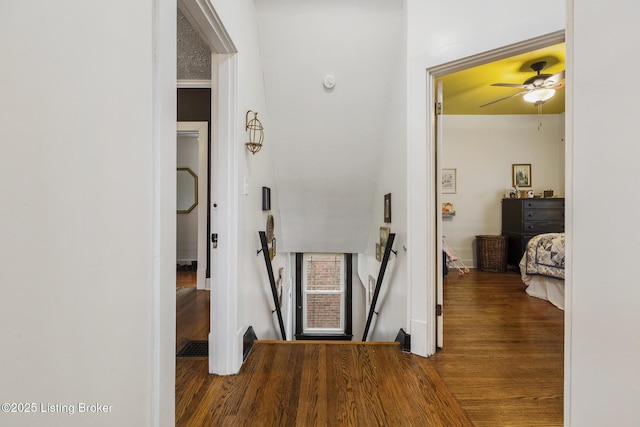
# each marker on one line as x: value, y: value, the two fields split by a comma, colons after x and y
x: 225, y: 350
x: 201, y: 128
x: 423, y: 233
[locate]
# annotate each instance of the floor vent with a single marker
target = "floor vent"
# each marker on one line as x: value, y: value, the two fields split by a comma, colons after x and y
x: 195, y: 349
x: 405, y: 340
x: 247, y: 342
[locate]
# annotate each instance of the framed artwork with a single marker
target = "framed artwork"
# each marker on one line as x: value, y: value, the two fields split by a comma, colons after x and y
x: 449, y: 181
x: 372, y: 286
x: 521, y: 175
x: 387, y: 208
x: 378, y: 252
x: 384, y: 236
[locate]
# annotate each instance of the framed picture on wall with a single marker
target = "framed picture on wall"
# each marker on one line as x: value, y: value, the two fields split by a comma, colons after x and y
x: 372, y: 286
x: 387, y: 208
x: 449, y: 181
x: 384, y: 236
x: 521, y: 175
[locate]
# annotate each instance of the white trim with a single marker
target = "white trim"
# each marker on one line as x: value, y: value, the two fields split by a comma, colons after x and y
x: 204, y: 19
x: 163, y: 220
x: 224, y: 356
x: 306, y: 292
x: 568, y: 194
x: 193, y: 84
x: 498, y: 53
x: 225, y: 341
x: 438, y: 134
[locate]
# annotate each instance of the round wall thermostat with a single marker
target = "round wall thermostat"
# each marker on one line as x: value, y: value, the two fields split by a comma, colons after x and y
x: 329, y: 81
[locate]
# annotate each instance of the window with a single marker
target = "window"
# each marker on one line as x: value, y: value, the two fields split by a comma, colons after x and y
x: 323, y: 296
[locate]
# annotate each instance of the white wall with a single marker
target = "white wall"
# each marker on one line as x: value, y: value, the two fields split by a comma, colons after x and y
x: 255, y: 301
x: 482, y: 150
x: 603, y: 317
x: 187, y: 223
x: 391, y: 178
x: 327, y: 142
x: 87, y: 120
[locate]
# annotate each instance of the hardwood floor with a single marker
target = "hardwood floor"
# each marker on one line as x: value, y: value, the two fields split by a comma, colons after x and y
x: 318, y: 384
x: 502, y: 365
x: 503, y: 353
x: 192, y: 310
x: 185, y: 278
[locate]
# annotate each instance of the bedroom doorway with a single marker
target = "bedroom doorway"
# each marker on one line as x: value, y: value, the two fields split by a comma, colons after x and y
x: 482, y: 174
x: 441, y: 159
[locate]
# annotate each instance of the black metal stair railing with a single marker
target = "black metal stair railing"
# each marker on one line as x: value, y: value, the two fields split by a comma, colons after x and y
x: 376, y: 293
x: 272, y: 281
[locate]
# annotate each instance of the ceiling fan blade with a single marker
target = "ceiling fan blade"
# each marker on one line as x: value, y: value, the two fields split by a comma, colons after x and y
x: 554, y: 80
x: 505, y: 98
x: 558, y: 85
x: 510, y: 85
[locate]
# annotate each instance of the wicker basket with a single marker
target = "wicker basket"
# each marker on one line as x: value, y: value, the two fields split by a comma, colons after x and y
x: 492, y: 253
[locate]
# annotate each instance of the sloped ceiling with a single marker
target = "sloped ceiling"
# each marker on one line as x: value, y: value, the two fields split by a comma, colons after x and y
x: 326, y: 142
x: 465, y: 91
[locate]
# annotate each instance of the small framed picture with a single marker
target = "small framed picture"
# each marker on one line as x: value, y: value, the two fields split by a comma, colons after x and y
x: 384, y: 236
x: 372, y: 286
x: 378, y: 252
x: 449, y: 181
x: 387, y: 208
x: 521, y: 175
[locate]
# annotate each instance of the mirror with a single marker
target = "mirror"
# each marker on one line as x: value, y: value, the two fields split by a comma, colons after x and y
x: 187, y: 190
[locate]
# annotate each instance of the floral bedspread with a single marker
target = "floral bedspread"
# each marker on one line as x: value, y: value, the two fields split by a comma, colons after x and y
x: 545, y: 255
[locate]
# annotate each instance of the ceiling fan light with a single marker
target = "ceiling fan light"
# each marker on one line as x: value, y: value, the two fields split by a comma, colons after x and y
x: 539, y: 95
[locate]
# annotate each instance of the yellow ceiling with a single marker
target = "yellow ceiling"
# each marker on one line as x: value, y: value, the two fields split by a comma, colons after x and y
x: 465, y: 91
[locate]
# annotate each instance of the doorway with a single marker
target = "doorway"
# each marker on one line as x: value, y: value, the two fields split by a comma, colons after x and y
x: 482, y: 131
x: 192, y: 224
x: 225, y: 355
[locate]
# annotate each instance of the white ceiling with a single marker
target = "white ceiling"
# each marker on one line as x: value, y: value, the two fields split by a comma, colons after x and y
x: 326, y: 142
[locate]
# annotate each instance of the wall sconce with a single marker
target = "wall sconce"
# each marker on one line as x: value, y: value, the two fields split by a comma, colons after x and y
x: 255, y: 132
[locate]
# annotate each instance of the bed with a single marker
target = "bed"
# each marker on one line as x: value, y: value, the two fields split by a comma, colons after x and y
x: 542, y: 268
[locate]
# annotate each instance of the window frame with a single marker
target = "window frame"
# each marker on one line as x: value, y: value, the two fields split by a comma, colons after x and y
x: 345, y: 331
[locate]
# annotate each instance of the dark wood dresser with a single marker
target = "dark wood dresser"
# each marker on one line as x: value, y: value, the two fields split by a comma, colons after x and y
x: 524, y: 218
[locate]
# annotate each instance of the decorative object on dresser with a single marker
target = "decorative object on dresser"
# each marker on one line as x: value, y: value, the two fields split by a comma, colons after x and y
x: 524, y: 218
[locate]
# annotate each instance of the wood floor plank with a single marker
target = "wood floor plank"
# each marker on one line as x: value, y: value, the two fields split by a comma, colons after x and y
x: 312, y: 406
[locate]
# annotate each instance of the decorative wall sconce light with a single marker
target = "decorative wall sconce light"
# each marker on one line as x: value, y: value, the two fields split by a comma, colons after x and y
x: 255, y: 132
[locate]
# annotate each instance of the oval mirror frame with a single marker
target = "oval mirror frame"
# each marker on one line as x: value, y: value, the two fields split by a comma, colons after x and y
x: 187, y: 190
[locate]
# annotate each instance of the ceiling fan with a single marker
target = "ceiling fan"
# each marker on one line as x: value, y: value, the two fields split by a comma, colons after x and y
x: 537, y: 89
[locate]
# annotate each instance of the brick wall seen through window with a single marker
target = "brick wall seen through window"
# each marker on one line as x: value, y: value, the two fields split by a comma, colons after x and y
x: 324, y: 291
